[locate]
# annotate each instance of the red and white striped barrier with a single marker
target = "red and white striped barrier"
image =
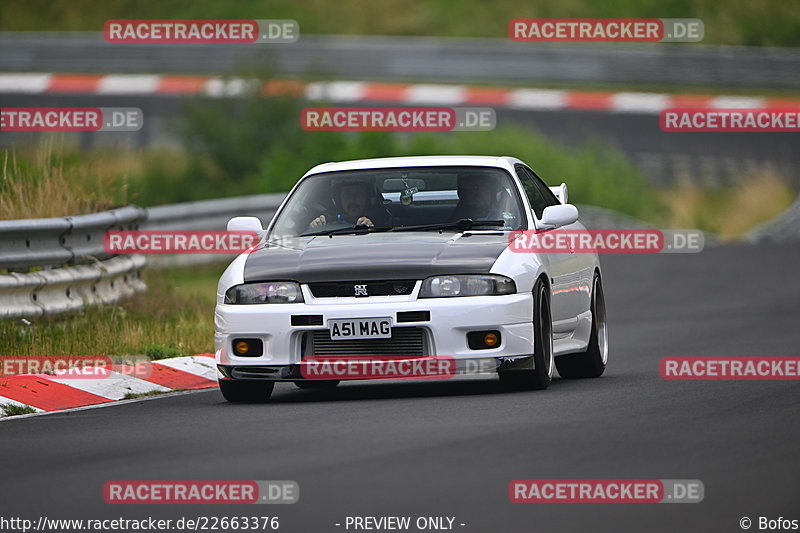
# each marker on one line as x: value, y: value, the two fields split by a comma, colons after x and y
x: 396, y: 93
x: 62, y: 390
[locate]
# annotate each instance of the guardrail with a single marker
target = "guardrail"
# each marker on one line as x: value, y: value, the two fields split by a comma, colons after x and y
x: 75, y: 269
x: 72, y: 269
x: 415, y: 58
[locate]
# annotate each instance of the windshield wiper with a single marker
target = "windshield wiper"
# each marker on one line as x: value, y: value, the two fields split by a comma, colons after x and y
x: 357, y: 229
x: 463, y: 224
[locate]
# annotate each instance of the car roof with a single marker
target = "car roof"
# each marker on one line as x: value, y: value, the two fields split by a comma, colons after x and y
x: 417, y: 161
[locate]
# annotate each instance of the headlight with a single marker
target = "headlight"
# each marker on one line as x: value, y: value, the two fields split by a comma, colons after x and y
x: 274, y: 292
x: 467, y: 285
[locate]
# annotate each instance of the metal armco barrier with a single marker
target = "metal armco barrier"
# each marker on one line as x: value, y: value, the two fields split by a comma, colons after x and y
x: 42, y: 242
x: 212, y: 214
x: 49, y: 292
x: 415, y: 58
x: 75, y: 269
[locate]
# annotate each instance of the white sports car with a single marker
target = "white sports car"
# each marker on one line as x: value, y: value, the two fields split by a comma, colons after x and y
x: 409, y: 258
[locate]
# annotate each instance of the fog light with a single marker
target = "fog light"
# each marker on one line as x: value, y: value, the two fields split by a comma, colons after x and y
x: 248, y: 347
x: 483, y: 340
x: 491, y: 339
x: 242, y: 347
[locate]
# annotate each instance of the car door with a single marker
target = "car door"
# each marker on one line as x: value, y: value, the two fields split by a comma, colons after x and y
x: 566, y: 268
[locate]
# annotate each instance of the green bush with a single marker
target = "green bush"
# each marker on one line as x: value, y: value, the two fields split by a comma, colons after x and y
x: 256, y: 145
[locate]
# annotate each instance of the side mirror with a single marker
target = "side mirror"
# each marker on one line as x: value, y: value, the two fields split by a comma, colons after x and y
x: 245, y: 224
x: 556, y: 216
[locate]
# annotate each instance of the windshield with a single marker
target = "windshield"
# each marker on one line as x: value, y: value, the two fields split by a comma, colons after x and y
x: 391, y: 199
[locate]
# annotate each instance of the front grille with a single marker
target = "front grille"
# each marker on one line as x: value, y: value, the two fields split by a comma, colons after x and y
x: 404, y: 341
x: 374, y: 288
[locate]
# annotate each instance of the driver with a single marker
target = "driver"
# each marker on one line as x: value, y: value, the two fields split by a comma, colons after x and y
x: 356, y: 203
x: 477, y: 198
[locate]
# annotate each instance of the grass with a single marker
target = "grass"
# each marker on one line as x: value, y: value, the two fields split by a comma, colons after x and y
x: 48, y: 181
x: 728, y: 212
x: 10, y: 409
x: 135, y: 395
x: 740, y: 22
x: 175, y: 316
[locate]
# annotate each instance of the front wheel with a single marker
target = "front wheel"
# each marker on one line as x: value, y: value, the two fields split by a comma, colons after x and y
x: 542, y: 373
x: 591, y: 363
x: 246, y: 391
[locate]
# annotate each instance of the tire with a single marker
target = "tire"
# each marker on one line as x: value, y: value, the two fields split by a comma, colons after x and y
x: 250, y: 391
x: 540, y: 376
x: 317, y: 384
x: 591, y: 363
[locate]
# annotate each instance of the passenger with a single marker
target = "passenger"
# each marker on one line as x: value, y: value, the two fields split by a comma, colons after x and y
x: 477, y: 198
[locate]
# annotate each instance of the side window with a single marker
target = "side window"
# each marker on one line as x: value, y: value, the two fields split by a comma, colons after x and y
x: 549, y: 197
x: 538, y: 202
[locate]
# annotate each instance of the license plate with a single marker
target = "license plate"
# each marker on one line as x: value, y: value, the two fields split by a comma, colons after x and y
x: 360, y: 328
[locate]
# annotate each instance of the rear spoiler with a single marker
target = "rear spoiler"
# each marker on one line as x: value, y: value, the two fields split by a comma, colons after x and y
x: 561, y: 193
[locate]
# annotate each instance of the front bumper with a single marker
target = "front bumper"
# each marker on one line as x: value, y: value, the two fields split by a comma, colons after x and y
x: 294, y: 372
x: 445, y: 332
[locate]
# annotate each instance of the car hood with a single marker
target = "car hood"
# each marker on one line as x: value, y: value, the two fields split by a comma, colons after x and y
x: 375, y: 256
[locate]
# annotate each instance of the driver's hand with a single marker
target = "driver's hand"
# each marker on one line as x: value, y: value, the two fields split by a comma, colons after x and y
x: 364, y: 221
x: 319, y: 221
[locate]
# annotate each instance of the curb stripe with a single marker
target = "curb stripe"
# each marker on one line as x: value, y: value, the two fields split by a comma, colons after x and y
x: 180, y: 84
x: 728, y: 102
x: 113, y: 386
x: 488, y: 96
x: 436, y: 94
x: 592, y: 101
x: 538, y: 99
x: 4, y: 400
x: 128, y: 84
x: 386, y: 92
x: 74, y: 83
x: 178, y: 379
x: 344, y: 91
x: 24, y: 83
x: 38, y: 390
x: 639, y: 102
x: 68, y: 389
x: 203, y: 366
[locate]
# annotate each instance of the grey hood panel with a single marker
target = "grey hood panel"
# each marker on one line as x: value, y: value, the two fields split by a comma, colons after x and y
x: 375, y: 256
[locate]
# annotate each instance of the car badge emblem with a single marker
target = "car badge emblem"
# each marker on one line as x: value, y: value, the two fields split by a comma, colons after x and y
x: 361, y: 290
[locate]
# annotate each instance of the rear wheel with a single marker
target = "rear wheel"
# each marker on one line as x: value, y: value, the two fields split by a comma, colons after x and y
x: 542, y: 373
x: 250, y: 391
x: 592, y: 362
x: 317, y: 384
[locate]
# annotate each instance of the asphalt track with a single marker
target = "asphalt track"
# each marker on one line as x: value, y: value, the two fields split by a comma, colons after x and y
x: 450, y: 448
